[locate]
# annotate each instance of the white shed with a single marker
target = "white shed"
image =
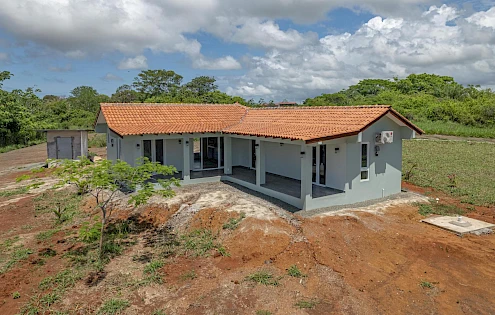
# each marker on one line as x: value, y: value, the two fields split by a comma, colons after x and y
x: 66, y: 144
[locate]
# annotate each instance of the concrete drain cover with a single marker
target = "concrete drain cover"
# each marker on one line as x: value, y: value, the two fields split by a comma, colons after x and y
x: 460, y: 226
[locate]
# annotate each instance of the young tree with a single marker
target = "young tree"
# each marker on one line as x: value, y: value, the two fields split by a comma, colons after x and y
x: 105, y: 181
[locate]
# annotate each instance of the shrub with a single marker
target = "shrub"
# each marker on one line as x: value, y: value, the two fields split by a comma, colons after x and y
x: 426, y: 284
x: 98, y: 141
x: 294, y: 271
x: 233, y: 223
x: 16, y: 295
x: 90, y: 233
x: 263, y: 277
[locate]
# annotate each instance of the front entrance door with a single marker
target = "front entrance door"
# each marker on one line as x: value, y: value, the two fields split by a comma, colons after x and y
x: 319, y: 164
x: 64, y: 148
x: 208, y: 153
x: 159, y: 151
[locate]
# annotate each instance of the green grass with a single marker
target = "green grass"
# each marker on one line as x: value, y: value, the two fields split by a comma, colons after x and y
x: 151, y: 274
x: 46, y: 235
x: 10, y: 241
x: 263, y: 312
x: 14, y: 192
x: 233, y: 223
x: 16, y: 295
x: 439, y: 208
x: 22, y: 177
x: 263, y: 277
x: 305, y: 304
x: 455, y: 129
x: 159, y: 312
x: 20, y: 146
x: 470, y: 162
x: 201, y: 243
x: 426, y: 284
x: 19, y: 254
x: 294, y: 271
x: 113, y: 306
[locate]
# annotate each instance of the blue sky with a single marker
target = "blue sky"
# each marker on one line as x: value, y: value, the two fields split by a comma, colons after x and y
x: 275, y: 50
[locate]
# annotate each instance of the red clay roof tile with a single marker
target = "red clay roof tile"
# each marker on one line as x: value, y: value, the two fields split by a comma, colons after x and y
x: 297, y: 123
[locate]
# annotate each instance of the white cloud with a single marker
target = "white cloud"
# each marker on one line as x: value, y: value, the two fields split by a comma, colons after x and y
x: 437, y: 41
x: 111, y: 77
x: 225, y: 63
x: 81, y: 28
x: 268, y: 35
x: 66, y: 68
x: 138, y: 62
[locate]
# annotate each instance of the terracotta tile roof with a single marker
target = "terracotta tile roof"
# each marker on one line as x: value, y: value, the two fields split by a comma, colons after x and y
x: 309, y: 124
x: 135, y: 119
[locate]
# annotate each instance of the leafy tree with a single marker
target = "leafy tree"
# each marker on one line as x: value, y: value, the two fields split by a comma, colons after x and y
x: 156, y: 82
x: 202, y: 85
x: 105, y: 180
x: 125, y: 94
x: 86, y: 98
x: 4, y: 75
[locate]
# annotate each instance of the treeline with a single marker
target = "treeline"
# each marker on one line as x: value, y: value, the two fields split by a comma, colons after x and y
x: 421, y: 98
x: 22, y: 112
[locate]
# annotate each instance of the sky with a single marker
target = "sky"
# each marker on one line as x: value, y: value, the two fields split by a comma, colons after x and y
x: 270, y: 49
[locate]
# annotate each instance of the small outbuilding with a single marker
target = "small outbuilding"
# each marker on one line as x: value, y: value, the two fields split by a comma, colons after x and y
x: 66, y: 144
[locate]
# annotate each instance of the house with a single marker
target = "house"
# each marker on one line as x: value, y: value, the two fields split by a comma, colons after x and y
x: 309, y: 157
x: 66, y: 144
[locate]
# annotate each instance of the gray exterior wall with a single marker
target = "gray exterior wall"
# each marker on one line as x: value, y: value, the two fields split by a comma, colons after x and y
x: 385, y: 170
x: 283, y: 160
x: 79, y: 142
x: 241, y: 152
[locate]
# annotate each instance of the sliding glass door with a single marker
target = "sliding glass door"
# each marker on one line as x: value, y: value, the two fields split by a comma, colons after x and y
x: 208, y: 153
x: 319, y: 164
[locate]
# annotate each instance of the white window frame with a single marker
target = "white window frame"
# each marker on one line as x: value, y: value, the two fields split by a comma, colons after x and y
x: 367, y: 168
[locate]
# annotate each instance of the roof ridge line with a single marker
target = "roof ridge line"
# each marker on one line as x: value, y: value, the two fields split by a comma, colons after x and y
x: 173, y: 104
x: 323, y: 107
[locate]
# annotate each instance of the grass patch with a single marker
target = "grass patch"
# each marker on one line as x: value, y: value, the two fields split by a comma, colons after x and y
x: 19, y: 254
x: 426, y: 284
x: 438, y: 208
x: 20, y: 146
x: 49, y: 299
x: 263, y: 277
x: 263, y: 312
x: 113, y: 306
x: 294, y: 271
x: 305, y: 304
x: 233, y: 223
x: 159, y: 312
x: 22, y: 177
x: 16, y: 295
x: 46, y: 235
x: 201, y: 243
x: 63, y: 204
x: 151, y: 272
x: 10, y: 241
x: 462, y: 169
x: 14, y: 192
x: 189, y: 275
x: 455, y: 129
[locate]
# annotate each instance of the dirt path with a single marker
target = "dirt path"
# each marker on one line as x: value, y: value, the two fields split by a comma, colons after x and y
x: 31, y: 155
x: 455, y: 138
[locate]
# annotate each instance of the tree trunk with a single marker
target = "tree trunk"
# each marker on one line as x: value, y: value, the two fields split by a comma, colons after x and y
x: 103, y: 222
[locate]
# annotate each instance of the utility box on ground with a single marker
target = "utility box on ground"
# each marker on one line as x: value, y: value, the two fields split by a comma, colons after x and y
x: 66, y: 144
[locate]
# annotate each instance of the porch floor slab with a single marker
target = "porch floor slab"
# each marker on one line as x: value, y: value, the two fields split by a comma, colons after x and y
x: 285, y: 185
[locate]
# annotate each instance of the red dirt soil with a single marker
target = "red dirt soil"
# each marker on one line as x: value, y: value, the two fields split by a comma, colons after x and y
x: 356, y: 264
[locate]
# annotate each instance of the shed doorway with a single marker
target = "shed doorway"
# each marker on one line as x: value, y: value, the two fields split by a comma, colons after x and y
x: 64, y: 148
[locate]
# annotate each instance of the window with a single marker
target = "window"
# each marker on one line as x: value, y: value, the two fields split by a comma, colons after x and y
x: 147, y: 150
x: 365, y: 156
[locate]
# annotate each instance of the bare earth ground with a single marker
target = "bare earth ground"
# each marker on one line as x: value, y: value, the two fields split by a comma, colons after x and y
x: 369, y: 261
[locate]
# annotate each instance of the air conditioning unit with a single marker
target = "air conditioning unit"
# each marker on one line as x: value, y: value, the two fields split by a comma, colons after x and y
x: 384, y: 137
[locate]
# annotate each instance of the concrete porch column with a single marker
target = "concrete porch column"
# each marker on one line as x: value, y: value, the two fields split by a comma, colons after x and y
x: 186, y: 166
x: 260, y: 163
x: 306, y: 175
x: 227, y: 155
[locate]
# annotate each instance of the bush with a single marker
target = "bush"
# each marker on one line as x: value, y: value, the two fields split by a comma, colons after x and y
x: 98, y: 141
